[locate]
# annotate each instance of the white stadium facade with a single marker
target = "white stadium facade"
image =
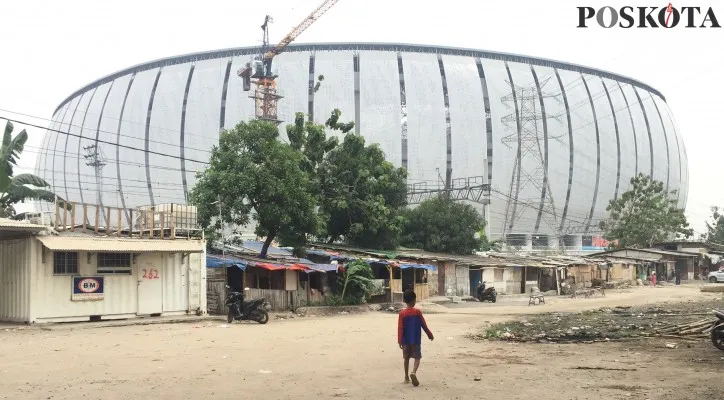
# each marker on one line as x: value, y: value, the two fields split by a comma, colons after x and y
x: 553, y: 141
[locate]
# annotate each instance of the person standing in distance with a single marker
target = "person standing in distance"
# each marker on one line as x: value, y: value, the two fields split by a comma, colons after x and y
x: 409, y: 335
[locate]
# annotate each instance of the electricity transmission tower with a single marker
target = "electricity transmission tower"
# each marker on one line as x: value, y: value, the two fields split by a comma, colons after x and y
x: 529, y: 122
x: 95, y: 158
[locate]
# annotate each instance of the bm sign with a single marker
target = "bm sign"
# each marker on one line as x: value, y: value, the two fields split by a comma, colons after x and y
x: 87, y: 288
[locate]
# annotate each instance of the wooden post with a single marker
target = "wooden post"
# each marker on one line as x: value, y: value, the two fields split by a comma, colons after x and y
x: 558, y: 286
x: 162, y: 222
x: 108, y: 220
x: 72, y: 217
x: 98, y: 214
x: 85, y: 216
x: 119, y: 221
x: 152, y: 231
x: 65, y: 217
x: 130, y: 223
x: 173, y: 224
x: 57, y: 212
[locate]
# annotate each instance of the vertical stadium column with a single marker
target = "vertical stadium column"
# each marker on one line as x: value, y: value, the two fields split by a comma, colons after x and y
x: 182, y: 145
x: 678, y: 153
x: 355, y: 63
x: 95, y: 143
x: 648, y: 130
x: 403, y: 110
x: 225, y: 88
x: 598, y: 153
x: 310, y: 108
x: 545, y: 149
x: 118, y: 151
x: 517, y: 168
x: 666, y: 140
x: 633, y: 128
x: 488, y: 119
x: 448, y: 124
x: 148, y: 129
x: 570, y: 150
x: 55, y: 148
x: 618, y: 140
x: 65, y: 150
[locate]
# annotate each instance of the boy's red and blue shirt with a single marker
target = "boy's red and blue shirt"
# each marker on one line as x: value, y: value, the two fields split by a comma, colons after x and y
x: 410, y: 325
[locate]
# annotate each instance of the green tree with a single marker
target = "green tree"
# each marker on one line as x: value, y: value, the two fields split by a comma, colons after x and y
x: 16, y: 189
x: 715, y: 227
x: 360, y: 194
x: 644, y: 215
x: 487, y: 244
x: 251, y: 171
x: 443, y: 225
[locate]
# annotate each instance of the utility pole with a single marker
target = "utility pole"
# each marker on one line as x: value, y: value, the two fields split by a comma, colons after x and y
x: 221, y: 224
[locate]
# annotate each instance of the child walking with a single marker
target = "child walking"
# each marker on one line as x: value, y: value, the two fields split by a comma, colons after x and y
x: 409, y: 335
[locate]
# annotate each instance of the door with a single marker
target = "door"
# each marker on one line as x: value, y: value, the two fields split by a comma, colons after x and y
x: 150, y: 289
x: 476, y: 276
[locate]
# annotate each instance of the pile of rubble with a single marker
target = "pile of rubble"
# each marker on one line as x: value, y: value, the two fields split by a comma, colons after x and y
x: 687, y: 320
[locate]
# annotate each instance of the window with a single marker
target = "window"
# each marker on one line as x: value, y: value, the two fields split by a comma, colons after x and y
x: 114, y: 263
x: 65, y: 263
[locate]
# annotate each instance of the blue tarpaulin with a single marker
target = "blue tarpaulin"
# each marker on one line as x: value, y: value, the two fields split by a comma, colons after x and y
x: 419, y: 266
x: 225, y: 261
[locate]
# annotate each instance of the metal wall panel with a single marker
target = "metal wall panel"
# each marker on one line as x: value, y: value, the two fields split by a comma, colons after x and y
x: 467, y: 117
x: 660, y: 155
x: 15, y: 280
x: 59, y: 155
x: 380, y: 109
x: 175, y: 282
x: 47, y: 151
x: 132, y: 140
x: 498, y: 87
x: 69, y: 171
x: 675, y: 170
x: 684, y: 185
x: 626, y: 135
x: 85, y: 178
x: 425, y: 119
x: 642, y: 135
x: 293, y: 84
x: 609, y: 151
x: 203, y: 111
x: 107, y: 135
x: 164, y: 136
x: 585, y: 149
x: 337, y: 88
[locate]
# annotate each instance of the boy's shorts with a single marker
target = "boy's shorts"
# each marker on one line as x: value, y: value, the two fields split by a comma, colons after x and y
x: 411, y: 351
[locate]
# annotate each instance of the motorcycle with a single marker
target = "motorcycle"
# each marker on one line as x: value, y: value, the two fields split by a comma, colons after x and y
x: 487, y: 294
x: 717, y: 331
x: 240, y: 310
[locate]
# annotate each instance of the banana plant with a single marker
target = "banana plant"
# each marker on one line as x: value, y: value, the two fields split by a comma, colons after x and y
x: 23, y: 187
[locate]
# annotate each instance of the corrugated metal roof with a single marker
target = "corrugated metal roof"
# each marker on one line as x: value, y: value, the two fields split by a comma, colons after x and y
x: 9, y: 224
x: 120, y: 245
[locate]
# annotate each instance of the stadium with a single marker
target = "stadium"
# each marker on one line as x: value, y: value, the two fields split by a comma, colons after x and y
x: 538, y: 146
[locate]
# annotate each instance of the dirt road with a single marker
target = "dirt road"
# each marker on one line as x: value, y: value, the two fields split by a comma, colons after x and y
x: 356, y: 357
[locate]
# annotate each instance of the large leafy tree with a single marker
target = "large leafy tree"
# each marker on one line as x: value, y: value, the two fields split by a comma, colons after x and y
x: 252, y: 173
x: 715, y: 227
x: 644, y: 215
x: 15, y: 189
x: 440, y: 224
x: 360, y: 194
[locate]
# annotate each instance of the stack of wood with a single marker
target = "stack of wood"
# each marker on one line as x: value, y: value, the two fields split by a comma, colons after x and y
x: 699, y: 328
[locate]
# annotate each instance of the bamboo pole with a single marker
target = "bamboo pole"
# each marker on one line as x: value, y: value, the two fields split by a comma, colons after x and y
x: 72, y: 217
x: 98, y: 216
x: 85, y: 216
x: 65, y: 217
x: 57, y: 212
x: 118, y: 221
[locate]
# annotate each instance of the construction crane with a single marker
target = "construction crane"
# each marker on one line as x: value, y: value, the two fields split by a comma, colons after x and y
x: 259, y: 70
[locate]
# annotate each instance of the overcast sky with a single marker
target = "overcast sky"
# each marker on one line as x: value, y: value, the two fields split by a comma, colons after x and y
x: 52, y: 48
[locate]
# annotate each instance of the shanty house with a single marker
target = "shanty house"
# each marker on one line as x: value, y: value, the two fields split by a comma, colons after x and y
x: 664, y: 262
x: 51, y: 277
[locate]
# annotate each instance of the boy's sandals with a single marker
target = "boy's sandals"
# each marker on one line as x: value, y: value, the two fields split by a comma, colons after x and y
x: 415, y: 382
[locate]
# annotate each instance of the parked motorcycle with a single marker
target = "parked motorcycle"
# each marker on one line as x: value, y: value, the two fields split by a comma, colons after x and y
x: 488, y: 294
x: 717, y: 332
x: 240, y: 310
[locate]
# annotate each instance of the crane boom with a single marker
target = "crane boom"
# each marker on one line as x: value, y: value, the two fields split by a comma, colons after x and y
x: 291, y: 36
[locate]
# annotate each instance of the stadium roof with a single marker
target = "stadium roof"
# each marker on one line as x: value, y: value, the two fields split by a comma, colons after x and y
x: 394, y: 47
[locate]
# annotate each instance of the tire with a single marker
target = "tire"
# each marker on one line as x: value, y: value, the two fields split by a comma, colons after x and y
x: 230, y: 316
x: 717, y: 337
x: 262, y: 317
x: 712, y: 279
x: 493, y: 300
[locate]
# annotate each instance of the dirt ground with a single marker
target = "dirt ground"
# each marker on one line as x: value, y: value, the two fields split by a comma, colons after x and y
x: 356, y: 356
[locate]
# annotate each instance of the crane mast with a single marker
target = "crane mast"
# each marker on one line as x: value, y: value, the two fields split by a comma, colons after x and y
x: 259, y: 71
